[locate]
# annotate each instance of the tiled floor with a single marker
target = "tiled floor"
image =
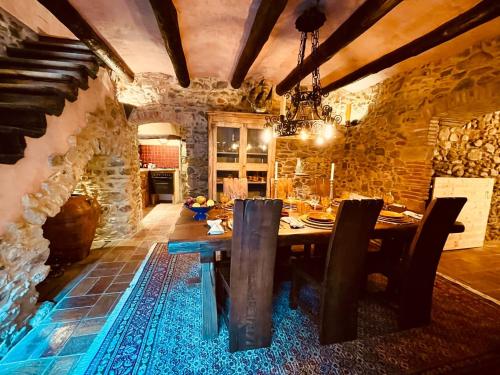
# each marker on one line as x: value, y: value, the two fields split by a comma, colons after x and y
x: 84, y: 303
x: 478, y: 268
x: 82, y: 308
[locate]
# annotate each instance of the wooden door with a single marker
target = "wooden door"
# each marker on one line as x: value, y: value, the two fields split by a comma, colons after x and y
x: 474, y: 215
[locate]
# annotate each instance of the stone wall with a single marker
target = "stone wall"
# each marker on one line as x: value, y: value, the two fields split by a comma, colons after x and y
x: 393, y: 147
x: 53, y: 165
x: 13, y: 32
x: 472, y: 149
x: 160, y: 99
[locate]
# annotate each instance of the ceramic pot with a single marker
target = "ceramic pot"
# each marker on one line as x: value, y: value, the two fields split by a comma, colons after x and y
x: 72, y: 230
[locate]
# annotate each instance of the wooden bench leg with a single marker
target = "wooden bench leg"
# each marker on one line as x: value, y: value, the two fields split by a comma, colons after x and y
x: 208, y: 301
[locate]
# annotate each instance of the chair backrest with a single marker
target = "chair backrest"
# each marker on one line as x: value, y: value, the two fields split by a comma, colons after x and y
x: 253, y: 252
x: 420, y: 262
x: 345, y: 268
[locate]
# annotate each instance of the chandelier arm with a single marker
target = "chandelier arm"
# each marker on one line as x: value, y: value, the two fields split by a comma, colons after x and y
x: 305, y: 112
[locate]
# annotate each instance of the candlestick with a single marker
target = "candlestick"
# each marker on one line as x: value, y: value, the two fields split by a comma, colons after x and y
x: 331, y: 191
x: 332, y: 172
x: 348, y: 113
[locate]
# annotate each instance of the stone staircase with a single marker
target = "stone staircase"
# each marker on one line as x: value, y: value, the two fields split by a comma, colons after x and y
x: 36, y: 80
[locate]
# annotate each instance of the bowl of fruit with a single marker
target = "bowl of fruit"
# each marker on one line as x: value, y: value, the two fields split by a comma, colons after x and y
x: 200, y: 206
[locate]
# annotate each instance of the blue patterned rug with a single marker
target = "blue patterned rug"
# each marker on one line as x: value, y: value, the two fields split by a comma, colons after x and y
x: 156, y: 329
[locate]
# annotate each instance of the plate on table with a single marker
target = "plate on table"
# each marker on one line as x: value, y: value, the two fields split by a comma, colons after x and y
x: 392, y: 214
x: 315, y: 224
x: 321, y: 217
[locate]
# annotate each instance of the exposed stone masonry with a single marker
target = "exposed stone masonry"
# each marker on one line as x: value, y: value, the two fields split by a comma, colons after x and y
x: 472, y: 150
x: 23, y: 250
x: 393, y: 147
x: 160, y: 99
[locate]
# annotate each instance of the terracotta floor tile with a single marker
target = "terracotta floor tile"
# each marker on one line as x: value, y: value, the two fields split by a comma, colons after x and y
x: 33, y: 367
x: 130, y: 267
x: 83, y: 286
x: 80, y: 301
x: 68, y: 315
x: 101, y: 285
x: 56, y: 340
x: 105, y: 272
x: 104, y: 305
x: 89, y: 326
x: 127, y: 278
x: 77, y: 345
x: 109, y: 265
x: 62, y: 365
x: 478, y: 268
x: 117, y: 287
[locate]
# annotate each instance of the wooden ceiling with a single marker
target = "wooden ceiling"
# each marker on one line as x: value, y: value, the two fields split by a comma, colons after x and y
x: 213, y: 34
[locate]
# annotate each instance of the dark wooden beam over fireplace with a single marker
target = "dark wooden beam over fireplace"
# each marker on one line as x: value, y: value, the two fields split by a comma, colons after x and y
x: 70, y: 17
x: 166, y: 16
x: 483, y: 12
x: 361, y: 20
x: 266, y: 17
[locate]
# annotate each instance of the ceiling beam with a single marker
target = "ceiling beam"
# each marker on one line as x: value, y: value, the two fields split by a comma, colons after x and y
x: 266, y: 17
x: 166, y: 16
x: 361, y: 20
x: 70, y: 17
x: 483, y: 12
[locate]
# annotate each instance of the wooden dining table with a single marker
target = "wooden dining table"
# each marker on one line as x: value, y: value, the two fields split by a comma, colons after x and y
x: 189, y: 236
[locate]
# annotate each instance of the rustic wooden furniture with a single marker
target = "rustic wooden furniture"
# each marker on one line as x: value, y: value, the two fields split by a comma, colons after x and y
x: 236, y: 149
x: 411, y: 267
x: 339, y: 276
x: 189, y: 236
x: 420, y: 262
x: 245, y: 284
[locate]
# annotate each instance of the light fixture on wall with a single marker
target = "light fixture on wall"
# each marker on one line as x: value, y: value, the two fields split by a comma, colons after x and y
x: 306, y: 116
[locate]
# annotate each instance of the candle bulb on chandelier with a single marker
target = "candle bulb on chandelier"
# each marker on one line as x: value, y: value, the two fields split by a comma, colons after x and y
x: 348, y: 114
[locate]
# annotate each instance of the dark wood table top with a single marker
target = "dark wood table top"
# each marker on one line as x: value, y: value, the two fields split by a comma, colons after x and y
x: 190, y: 236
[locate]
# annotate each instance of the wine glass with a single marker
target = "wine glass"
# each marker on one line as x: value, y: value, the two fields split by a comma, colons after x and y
x: 314, y: 200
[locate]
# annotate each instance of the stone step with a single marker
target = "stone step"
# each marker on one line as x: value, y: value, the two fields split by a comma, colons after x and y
x: 29, y: 123
x: 49, y: 104
x: 89, y: 62
x: 11, y: 148
x: 76, y: 70
x: 69, y: 91
x: 57, y: 46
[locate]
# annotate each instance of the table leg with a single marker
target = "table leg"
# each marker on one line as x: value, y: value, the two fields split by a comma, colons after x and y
x: 209, y: 305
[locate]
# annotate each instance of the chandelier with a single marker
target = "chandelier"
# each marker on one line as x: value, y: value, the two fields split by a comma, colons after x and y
x: 306, y: 117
